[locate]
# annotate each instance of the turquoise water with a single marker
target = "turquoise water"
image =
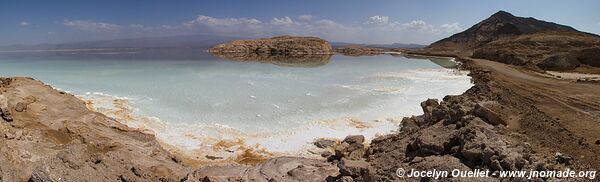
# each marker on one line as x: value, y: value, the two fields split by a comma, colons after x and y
x: 190, y: 104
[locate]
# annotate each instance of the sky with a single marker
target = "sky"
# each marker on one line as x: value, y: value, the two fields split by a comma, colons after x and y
x: 354, y: 21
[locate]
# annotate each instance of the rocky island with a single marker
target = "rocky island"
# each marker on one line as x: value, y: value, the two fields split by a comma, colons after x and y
x: 286, y: 45
x: 280, y: 50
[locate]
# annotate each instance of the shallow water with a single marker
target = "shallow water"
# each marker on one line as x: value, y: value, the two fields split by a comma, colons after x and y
x: 211, y: 106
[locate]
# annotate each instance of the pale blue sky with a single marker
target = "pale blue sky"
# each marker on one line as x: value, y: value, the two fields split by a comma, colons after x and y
x: 376, y: 21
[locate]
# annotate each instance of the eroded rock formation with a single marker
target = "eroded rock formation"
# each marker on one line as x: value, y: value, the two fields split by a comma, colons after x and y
x: 282, y: 50
x: 284, y: 45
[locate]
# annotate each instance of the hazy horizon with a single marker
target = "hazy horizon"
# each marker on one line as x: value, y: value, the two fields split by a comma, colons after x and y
x: 372, y: 22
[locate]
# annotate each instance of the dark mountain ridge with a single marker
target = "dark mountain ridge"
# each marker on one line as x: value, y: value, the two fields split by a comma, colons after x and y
x: 509, y: 39
x: 500, y: 25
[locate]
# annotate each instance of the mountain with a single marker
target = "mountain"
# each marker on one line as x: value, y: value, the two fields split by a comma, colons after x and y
x: 187, y: 41
x: 500, y: 25
x: 530, y: 42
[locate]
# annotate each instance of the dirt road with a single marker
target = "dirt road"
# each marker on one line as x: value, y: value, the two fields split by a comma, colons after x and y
x: 575, y: 106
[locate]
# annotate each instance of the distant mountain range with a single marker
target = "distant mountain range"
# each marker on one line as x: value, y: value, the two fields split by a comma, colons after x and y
x: 188, y: 41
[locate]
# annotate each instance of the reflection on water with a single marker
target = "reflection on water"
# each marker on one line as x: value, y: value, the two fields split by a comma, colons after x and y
x: 200, y: 105
x: 199, y: 54
x: 307, y: 60
x: 146, y: 54
x: 315, y: 60
x: 442, y: 61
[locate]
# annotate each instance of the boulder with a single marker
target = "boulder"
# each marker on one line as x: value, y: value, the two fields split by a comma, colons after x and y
x: 428, y: 107
x: 20, y: 107
x: 434, y: 140
x: 324, y: 143
x: 354, y: 168
x: 351, y: 151
x: 41, y: 174
x: 409, y: 124
x: 486, y: 110
x: 4, y: 110
x: 440, y: 163
x: 350, y: 139
x: 429, y: 103
x: 563, y: 158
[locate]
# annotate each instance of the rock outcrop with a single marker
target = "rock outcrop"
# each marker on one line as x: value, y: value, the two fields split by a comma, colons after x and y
x: 282, y: 45
x: 282, y: 50
x: 52, y: 136
x: 277, y: 169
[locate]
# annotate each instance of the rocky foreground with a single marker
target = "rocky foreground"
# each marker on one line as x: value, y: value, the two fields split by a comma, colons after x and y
x: 49, y: 135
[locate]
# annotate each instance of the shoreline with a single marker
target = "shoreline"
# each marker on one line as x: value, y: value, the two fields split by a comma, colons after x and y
x: 483, y: 73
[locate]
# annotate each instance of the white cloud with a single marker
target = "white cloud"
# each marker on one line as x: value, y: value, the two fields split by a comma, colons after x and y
x: 285, y: 21
x: 327, y: 23
x: 376, y: 29
x: 92, y: 26
x: 383, y: 23
x: 136, y: 26
x: 168, y: 27
x: 24, y: 23
x: 417, y: 25
x: 450, y: 28
x: 378, y: 20
x: 305, y: 17
x: 222, y: 22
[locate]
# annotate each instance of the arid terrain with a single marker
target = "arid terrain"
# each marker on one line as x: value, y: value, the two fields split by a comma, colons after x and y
x: 513, y: 118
